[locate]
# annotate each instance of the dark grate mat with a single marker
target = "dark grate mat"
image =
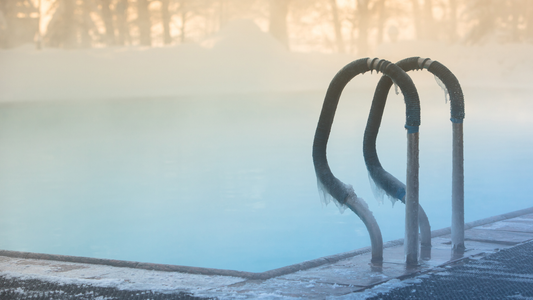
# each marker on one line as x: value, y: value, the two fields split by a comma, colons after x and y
x: 507, y: 274
x: 19, y: 289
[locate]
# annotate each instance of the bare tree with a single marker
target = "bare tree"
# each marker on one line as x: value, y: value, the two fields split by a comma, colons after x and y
x: 61, y: 30
x: 428, y: 27
x: 337, y: 26
x: 453, y: 20
x: 144, y: 23
x: 279, y: 11
x: 504, y: 20
x: 514, y: 17
x: 85, y: 24
x: 184, y: 13
x: 362, y: 13
x: 417, y: 19
x: 381, y: 11
x: 123, y: 32
x: 69, y: 38
x: 317, y: 24
x: 223, y: 13
x: 529, y: 21
x: 166, y: 18
x: 18, y: 22
x: 107, y: 17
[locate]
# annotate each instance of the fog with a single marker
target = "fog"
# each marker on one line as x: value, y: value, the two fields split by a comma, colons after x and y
x: 241, y: 58
x: 196, y: 149
x: 116, y: 49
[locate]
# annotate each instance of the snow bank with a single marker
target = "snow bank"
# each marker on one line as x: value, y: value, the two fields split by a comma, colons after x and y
x: 239, y: 59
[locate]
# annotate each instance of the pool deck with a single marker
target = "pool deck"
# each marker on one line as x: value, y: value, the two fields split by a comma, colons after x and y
x: 334, y: 276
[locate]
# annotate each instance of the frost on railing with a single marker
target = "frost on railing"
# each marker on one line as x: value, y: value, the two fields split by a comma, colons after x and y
x: 330, y: 188
x: 326, y: 197
x: 443, y: 87
x: 379, y: 193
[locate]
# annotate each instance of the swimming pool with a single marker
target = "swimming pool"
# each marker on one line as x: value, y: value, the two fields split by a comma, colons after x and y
x: 227, y: 181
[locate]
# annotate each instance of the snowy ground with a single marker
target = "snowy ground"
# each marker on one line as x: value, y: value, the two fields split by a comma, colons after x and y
x: 351, y: 278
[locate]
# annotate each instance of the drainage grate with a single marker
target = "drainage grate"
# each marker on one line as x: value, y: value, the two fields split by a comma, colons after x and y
x: 506, y: 274
x: 22, y: 289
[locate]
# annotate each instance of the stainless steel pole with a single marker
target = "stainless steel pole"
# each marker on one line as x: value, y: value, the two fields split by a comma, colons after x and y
x: 360, y: 208
x: 458, y: 215
x: 411, y: 201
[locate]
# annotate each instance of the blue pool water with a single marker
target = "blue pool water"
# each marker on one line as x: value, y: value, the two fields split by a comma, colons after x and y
x: 228, y: 181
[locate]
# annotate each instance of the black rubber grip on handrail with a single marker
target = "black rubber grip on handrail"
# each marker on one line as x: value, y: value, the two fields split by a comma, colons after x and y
x: 337, y: 189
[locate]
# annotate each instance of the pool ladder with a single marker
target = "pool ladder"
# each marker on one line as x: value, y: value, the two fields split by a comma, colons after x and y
x: 344, y: 194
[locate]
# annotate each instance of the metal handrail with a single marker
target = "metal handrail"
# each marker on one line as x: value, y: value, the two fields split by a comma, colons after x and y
x: 392, y: 186
x: 343, y: 194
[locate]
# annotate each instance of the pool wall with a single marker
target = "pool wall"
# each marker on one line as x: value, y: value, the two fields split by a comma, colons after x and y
x: 249, y: 275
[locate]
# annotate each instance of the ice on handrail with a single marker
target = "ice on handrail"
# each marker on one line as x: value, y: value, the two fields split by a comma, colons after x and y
x: 441, y: 84
x: 379, y: 193
x: 326, y: 198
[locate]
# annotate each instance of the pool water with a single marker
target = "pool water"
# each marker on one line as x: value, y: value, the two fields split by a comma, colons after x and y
x: 227, y: 181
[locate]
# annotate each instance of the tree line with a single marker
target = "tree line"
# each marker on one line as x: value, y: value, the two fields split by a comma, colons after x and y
x: 353, y: 26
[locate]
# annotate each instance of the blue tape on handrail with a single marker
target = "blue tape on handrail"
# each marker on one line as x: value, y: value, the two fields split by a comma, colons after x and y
x: 455, y: 120
x: 400, y: 194
x: 411, y: 129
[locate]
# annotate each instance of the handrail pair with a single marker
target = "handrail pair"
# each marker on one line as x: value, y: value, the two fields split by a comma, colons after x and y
x: 344, y: 195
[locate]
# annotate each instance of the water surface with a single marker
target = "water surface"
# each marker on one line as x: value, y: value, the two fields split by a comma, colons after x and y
x: 228, y: 181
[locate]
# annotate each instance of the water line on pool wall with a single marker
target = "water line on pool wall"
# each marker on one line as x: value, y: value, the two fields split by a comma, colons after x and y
x: 392, y: 186
x: 343, y: 194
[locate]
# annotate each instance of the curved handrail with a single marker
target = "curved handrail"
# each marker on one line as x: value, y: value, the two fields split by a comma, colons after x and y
x: 395, y: 188
x: 341, y: 192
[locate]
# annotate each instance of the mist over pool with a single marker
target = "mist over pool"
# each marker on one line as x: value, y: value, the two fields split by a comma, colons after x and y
x: 160, y: 155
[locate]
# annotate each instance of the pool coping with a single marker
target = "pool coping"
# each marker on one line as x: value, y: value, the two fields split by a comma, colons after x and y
x: 243, y: 274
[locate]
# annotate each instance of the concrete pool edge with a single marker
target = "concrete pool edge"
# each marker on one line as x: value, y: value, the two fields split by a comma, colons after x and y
x: 243, y: 274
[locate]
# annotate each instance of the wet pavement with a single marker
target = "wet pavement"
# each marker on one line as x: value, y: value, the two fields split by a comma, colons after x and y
x: 497, y: 258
